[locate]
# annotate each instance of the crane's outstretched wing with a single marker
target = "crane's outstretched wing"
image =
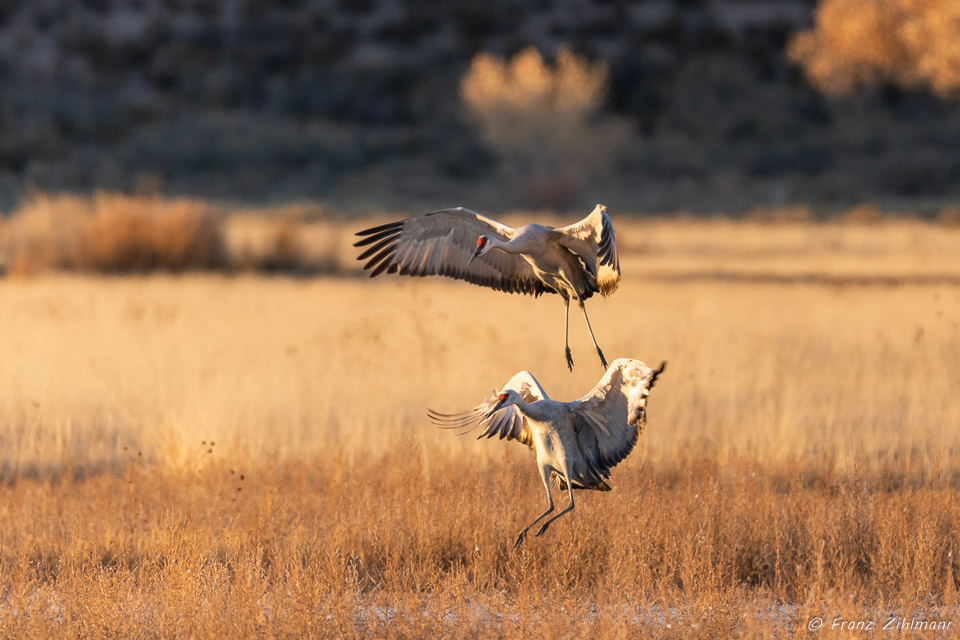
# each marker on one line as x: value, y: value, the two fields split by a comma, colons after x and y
x: 507, y: 423
x: 609, y: 419
x: 594, y: 240
x: 441, y: 243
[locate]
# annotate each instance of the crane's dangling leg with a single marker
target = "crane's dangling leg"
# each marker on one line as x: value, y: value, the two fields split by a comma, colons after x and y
x: 566, y: 333
x: 583, y: 308
x: 545, y: 477
x: 567, y: 510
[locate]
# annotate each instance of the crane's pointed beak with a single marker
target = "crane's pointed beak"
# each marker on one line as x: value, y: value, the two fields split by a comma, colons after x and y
x: 475, y: 254
x: 496, y: 408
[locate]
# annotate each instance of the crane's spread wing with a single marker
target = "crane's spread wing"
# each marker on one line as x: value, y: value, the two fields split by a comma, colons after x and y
x: 594, y: 240
x: 507, y: 423
x: 609, y: 419
x: 441, y: 243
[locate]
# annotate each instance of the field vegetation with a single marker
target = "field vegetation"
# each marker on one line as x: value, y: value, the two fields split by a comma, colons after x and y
x: 544, y: 125
x: 233, y: 455
x: 856, y: 44
x: 699, y: 105
x: 112, y: 233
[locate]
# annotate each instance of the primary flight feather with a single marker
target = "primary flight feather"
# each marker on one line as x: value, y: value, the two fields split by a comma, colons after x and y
x: 576, y: 443
x: 575, y: 261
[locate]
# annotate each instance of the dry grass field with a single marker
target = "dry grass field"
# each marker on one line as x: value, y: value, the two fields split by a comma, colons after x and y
x: 213, y: 456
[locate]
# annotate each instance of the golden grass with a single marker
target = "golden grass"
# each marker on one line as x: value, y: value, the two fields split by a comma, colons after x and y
x: 212, y: 456
x: 298, y: 238
x: 113, y: 233
x: 116, y: 234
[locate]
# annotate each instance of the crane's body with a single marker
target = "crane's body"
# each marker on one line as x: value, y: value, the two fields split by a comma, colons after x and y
x: 576, y: 443
x: 575, y: 261
x: 557, y: 267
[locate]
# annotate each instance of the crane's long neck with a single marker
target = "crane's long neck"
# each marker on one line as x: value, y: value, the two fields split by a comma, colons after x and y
x: 511, y: 246
x: 534, y: 410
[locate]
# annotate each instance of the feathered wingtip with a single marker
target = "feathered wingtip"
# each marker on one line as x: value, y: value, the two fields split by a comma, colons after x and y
x: 657, y: 372
x: 608, y: 258
x: 637, y: 399
x: 607, y: 281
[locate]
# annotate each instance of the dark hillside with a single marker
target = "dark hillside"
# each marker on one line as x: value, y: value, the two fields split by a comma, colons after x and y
x: 357, y: 102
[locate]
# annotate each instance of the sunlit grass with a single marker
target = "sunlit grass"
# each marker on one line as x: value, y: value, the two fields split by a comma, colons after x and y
x: 214, y: 456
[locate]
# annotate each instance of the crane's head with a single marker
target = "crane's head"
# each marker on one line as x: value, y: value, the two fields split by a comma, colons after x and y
x: 505, y: 399
x: 483, y: 245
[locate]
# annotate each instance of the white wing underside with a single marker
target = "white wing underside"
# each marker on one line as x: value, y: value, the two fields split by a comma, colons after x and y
x: 507, y: 423
x: 594, y: 240
x: 442, y: 243
x: 608, y: 420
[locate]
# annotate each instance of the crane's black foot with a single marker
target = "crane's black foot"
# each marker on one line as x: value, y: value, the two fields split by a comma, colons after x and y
x: 520, y: 539
x: 542, y: 529
x: 569, y: 359
x: 603, y: 360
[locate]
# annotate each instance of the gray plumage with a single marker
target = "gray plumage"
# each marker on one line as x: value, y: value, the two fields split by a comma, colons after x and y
x: 576, y: 443
x: 575, y: 261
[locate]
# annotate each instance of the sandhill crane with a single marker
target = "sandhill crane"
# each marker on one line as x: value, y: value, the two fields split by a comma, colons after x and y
x: 575, y: 261
x: 577, y: 443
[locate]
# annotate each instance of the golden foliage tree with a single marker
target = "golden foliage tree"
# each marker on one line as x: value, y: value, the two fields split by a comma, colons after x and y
x: 543, y: 122
x: 856, y: 43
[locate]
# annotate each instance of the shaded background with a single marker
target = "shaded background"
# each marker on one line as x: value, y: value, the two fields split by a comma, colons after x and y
x: 225, y: 453
x: 358, y: 103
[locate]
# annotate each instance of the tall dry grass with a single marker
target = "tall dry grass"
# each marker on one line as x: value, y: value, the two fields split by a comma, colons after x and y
x: 115, y: 233
x: 213, y: 456
x: 112, y: 233
x: 297, y: 238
